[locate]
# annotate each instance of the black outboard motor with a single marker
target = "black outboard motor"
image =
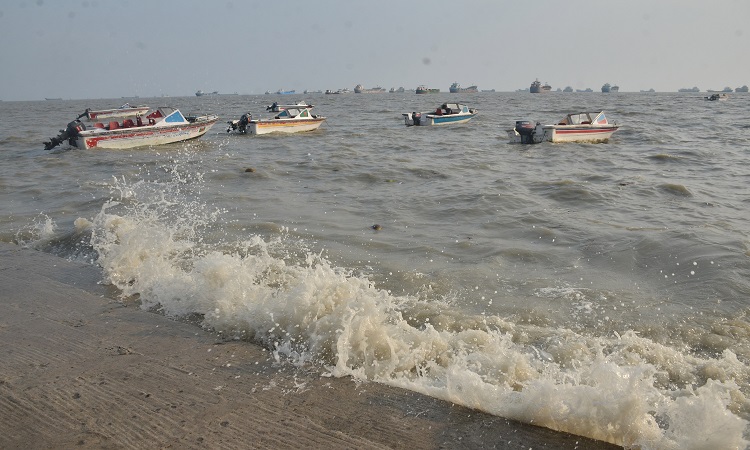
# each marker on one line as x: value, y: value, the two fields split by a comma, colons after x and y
x: 526, y: 129
x: 244, y: 120
x: 241, y: 124
x: 416, y: 118
x: 71, y: 133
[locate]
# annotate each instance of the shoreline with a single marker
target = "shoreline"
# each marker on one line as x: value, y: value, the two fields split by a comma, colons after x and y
x: 82, y: 369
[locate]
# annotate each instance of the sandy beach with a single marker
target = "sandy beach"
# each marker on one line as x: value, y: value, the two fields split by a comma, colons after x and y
x: 82, y: 369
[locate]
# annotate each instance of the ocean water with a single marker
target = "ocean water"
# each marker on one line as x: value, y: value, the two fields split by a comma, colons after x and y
x: 598, y: 289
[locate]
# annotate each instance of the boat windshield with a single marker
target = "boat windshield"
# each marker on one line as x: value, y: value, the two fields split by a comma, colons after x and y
x: 576, y: 119
x: 288, y: 113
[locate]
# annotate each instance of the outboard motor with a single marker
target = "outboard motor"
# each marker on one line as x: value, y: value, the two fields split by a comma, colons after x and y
x: 71, y: 133
x: 244, y: 120
x: 416, y: 118
x: 241, y: 124
x: 526, y: 129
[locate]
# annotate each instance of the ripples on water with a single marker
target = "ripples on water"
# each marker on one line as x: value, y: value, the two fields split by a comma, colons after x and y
x: 598, y: 289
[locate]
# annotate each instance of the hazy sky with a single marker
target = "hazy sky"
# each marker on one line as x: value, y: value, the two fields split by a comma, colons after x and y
x: 109, y: 49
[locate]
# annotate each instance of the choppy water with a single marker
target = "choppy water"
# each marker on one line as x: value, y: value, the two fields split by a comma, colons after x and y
x: 599, y: 289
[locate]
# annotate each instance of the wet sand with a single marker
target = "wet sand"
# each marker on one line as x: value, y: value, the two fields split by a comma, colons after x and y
x: 79, y: 368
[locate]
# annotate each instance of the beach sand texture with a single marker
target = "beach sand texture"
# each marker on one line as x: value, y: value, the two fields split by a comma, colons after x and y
x: 82, y: 369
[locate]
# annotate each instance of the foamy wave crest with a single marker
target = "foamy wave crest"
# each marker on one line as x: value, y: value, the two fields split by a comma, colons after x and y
x: 624, y: 389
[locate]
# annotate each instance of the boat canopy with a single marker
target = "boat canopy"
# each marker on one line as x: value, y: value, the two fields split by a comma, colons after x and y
x: 454, y: 107
x: 584, y: 118
x: 293, y: 112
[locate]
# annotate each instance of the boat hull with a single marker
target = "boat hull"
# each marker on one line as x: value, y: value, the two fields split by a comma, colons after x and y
x: 562, y: 133
x: 434, y: 120
x: 284, y: 126
x: 578, y: 134
x: 125, y: 138
x: 431, y: 120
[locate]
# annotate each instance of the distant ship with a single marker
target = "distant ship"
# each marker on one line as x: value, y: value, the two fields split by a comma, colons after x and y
x: 313, y: 92
x: 568, y: 89
x: 359, y: 89
x: 201, y: 93
x: 426, y: 90
x: 488, y: 90
x: 741, y: 89
x: 399, y: 90
x: 650, y: 90
x: 536, y: 87
x: 456, y: 88
x: 51, y: 99
x: 693, y: 89
x: 585, y: 90
x: 606, y: 88
x: 615, y: 88
x: 283, y: 92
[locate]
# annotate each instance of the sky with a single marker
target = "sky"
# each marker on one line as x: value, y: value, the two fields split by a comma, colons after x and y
x: 80, y: 49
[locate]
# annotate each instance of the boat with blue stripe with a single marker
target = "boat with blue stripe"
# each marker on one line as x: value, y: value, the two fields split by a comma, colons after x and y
x: 445, y: 114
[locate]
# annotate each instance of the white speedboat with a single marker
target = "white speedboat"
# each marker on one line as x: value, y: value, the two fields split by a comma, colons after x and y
x: 577, y: 127
x: 445, y: 114
x: 295, y: 119
x: 720, y: 97
x: 123, y: 111
x: 163, y: 126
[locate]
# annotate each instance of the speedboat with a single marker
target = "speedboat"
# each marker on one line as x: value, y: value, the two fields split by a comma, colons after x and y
x: 290, y: 120
x: 163, y: 126
x: 123, y: 111
x: 715, y: 97
x: 445, y: 114
x: 577, y: 127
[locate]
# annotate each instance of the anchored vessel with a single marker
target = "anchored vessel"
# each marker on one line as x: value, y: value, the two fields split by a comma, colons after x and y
x: 577, y: 127
x: 445, y: 114
x: 290, y: 119
x: 163, y: 126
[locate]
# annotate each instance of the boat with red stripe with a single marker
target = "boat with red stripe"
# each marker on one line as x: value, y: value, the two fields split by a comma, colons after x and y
x: 165, y: 125
x: 576, y: 127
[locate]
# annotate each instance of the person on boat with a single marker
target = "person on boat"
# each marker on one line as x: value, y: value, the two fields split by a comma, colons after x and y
x: 138, y: 120
x: 438, y: 112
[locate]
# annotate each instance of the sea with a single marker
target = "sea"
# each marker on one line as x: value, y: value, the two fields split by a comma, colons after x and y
x: 597, y: 289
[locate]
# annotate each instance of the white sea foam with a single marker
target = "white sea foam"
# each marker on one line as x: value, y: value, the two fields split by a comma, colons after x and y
x: 621, y: 388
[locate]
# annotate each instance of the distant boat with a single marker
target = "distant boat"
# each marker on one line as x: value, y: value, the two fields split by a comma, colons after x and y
x: 123, y: 111
x: 650, y: 90
x: 399, y: 90
x: 359, y: 89
x: 201, y: 93
x: 488, y: 90
x: 51, y: 99
x: 313, y: 92
x: 741, y: 89
x: 585, y: 90
x: 283, y: 92
x: 426, y: 90
x: 338, y: 91
x: 693, y: 89
x: 536, y: 87
x: 714, y: 97
x: 607, y: 87
x: 456, y: 88
x: 568, y: 89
